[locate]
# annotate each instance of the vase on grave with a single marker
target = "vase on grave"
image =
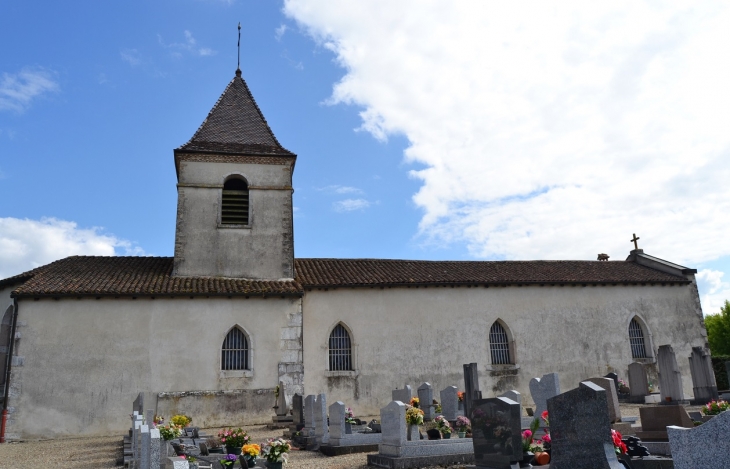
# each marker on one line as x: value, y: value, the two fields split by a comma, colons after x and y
x: 233, y: 450
x: 413, y: 433
x: 446, y: 436
x: 462, y: 434
x: 247, y: 460
x: 348, y: 428
x: 461, y: 405
x: 527, y: 457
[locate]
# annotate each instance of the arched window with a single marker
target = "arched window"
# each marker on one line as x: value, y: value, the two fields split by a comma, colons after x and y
x: 340, y: 349
x: 499, y: 345
x: 235, y: 351
x: 234, y: 204
x: 636, y: 338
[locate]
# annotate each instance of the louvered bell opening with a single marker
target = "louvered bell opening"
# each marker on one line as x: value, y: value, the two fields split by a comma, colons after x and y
x: 636, y: 338
x: 234, y: 353
x: 499, y: 345
x: 340, y: 350
x: 234, y: 206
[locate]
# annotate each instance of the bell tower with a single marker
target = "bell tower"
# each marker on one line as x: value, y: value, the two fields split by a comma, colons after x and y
x: 234, y: 195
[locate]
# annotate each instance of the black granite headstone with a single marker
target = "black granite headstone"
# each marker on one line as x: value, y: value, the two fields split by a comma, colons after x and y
x: 614, y: 377
x: 496, y: 433
x: 580, y: 429
x: 298, y: 409
x: 471, y: 387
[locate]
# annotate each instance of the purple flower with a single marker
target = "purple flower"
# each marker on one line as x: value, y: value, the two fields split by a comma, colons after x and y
x: 231, y: 457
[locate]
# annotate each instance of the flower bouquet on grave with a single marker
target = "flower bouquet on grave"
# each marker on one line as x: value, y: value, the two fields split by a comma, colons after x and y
x: 234, y: 439
x: 414, y: 416
x: 180, y: 420
x: 249, y: 453
x: 618, y: 445
x: 275, y: 451
x: 415, y: 402
x: 715, y: 407
x: 229, y: 461
x: 443, y: 426
x: 170, y: 431
x: 192, y: 461
x: 349, y: 415
x: 623, y: 387
x: 462, y: 424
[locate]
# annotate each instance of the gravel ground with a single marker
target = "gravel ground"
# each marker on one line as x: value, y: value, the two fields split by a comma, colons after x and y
x: 103, y: 452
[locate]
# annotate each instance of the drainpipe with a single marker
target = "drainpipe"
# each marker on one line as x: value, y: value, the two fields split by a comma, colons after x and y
x: 7, y: 370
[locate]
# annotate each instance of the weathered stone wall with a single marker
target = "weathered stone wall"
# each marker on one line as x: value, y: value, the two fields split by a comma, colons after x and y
x: 85, y: 360
x: 412, y: 335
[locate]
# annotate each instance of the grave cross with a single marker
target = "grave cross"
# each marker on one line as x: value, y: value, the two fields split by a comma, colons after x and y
x: 636, y: 245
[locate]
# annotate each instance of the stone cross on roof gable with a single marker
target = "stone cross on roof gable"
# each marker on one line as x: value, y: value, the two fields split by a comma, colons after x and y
x: 634, y: 240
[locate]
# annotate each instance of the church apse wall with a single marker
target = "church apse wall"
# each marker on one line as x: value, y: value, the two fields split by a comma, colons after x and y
x: 411, y: 335
x: 85, y: 361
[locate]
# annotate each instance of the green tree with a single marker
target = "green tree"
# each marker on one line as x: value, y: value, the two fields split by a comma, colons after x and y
x: 718, y: 330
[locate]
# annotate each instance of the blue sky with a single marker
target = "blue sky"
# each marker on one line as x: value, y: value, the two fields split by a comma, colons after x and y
x: 427, y: 130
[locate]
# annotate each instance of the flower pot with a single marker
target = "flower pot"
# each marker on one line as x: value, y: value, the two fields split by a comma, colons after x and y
x: 446, y: 436
x: 413, y: 434
x: 274, y: 465
x: 462, y: 434
x: 527, y: 457
x: 247, y: 461
x: 234, y: 450
x: 348, y: 428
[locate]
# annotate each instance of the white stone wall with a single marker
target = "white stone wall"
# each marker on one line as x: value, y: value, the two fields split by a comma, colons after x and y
x: 264, y: 250
x: 85, y: 360
x: 411, y: 335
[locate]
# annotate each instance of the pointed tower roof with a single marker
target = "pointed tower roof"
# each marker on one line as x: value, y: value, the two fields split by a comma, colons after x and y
x: 235, y: 125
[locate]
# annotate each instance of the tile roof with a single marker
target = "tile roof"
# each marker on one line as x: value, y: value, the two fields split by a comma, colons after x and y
x: 133, y: 276
x: 151, y: 276
x: 235, y: 125
x: 388, y: 272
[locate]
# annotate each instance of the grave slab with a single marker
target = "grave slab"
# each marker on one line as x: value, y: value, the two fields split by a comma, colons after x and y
x: 449, y: 402
x: 496, y: 433
x: 609, y: 385
x: 471, y: 387
x: 655, y: 420
x: 706, y: 446
x: 670, y: 378
x: 704, y: 385
x: 404, y: 395
x: 638, y: 383
x: 580, y: 430
x: 425, y: 398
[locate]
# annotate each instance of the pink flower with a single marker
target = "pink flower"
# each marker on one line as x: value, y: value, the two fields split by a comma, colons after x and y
x: 546, y: 439
x: 526, y: 434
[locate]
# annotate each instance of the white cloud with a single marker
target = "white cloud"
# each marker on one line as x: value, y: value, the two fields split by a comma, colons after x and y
x: 350, y: 205
x: 714, y: 291
x: 547, y: 130
x: 279, y: 32
x: 18, y: 90
x: 337, y: 189
x: 131, y: 56
x: 26, y: 244
x: 190, y: 46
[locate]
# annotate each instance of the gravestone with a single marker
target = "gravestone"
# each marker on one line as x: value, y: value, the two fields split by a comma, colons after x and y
x: 144, y: 454
x: 393, y: 424
x: 543, y: 389
x: 298, y: 409
x: 638, y: 383
x: 496, y: 433
x: 614, y: 411
x: 449, y: 402
x: 656, y: 419
x: 704, y: 385
x: 321, y: 429
x: 580, y: 430
x: 706, y: 446
x: 309, y: 422
x: 337, y: 420
x: 513, y: 395
x: 614, y: 377
x: 425, y: 399
x: 155, y: 448
x: 670, y: 378
x: 281, y: 407
x: 471, y: 387
x: 404, y: 395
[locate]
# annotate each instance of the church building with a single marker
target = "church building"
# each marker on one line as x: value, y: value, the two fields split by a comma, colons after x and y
x: 213, y: 330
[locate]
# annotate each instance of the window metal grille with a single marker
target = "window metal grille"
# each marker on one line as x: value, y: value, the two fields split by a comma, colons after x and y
x: 636, y: 338
x: 234, y: 354
x: 340, y: 349
x: 234, y: 206
x: 499, y: 345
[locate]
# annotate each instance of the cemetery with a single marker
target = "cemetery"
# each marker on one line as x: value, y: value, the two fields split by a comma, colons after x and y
x: 581, y: 428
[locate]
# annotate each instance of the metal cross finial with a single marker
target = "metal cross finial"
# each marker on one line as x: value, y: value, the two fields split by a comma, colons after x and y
x: 238, y: 68
x: 636, y: 245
